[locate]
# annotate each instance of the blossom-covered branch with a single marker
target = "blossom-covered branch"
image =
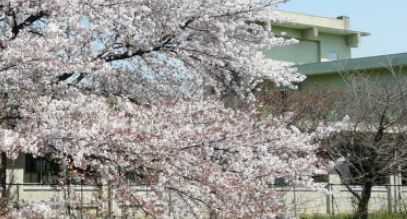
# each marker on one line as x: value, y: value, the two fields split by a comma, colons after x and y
x: 119, y: 89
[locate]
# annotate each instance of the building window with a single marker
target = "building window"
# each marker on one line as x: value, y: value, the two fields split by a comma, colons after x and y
x: 321, y: 178
x: 40, y: 171
x: 280, y: 182
x: 353, y: 175
x: 333, y: 56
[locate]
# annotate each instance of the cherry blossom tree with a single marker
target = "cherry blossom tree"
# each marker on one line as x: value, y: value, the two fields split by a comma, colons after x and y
x: 127, y: 90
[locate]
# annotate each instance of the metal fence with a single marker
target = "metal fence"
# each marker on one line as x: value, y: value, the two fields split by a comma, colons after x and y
x: 337, y: 200
x: 300, y: 201
x: 81, y: 197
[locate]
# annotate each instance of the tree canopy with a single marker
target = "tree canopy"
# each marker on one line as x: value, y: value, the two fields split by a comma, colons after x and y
x: 117, y: 89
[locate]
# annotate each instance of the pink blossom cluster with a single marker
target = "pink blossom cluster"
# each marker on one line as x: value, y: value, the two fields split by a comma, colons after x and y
x: 65, y: 98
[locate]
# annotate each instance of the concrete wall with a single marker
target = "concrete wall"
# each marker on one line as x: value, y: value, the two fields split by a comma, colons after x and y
x: 298, y: 200
x: 15, y: 175
x: 306, y: 201
x: 306, y: 51
x: 337, y: 198
x: 301, y: 53
x: 331, y: 43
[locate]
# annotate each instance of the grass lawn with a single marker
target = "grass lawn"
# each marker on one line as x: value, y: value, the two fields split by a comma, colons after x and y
x: 350, y: 216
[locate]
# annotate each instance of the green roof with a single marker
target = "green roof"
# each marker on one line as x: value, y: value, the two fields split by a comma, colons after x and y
x: 349, y: 65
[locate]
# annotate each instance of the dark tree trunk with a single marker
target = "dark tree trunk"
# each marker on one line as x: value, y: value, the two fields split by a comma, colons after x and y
x: 3, y: 167
x: 362, y: 211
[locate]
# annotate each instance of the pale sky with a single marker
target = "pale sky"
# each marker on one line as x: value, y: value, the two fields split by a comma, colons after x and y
x: 385, y: 20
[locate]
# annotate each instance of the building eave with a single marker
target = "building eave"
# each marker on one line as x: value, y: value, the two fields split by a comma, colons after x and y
x: 354, y: 65
x: 304, y: 27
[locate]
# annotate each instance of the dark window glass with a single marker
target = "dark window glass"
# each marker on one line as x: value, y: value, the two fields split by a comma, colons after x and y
x: 353, y: 176
x: 40, y: 170
x: 280, y: 182
x: 321, y: 178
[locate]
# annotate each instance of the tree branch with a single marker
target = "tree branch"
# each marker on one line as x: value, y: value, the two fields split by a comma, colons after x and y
x: 166, y: 39
x: 16, y: 28
x: 7, y: 67
x: 357, y: 196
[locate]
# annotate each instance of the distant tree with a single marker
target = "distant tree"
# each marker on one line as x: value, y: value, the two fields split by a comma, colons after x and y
x: 373, y: 146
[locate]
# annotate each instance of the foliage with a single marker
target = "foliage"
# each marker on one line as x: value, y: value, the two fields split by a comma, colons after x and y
x: 118, y: 89
x: 373, y: 145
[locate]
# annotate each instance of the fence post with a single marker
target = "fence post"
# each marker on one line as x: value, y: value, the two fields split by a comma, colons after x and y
x: 393, y: 193
x: 333, y: 180
x: 104, y: 193
x: 110, y: 200
x: 398, y: 182
x: 113, y: 205
x: 169, y: 203
x: 295, y: 200
x: 329, y: 198
x: 390, y: 192
x: 82, y: 199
